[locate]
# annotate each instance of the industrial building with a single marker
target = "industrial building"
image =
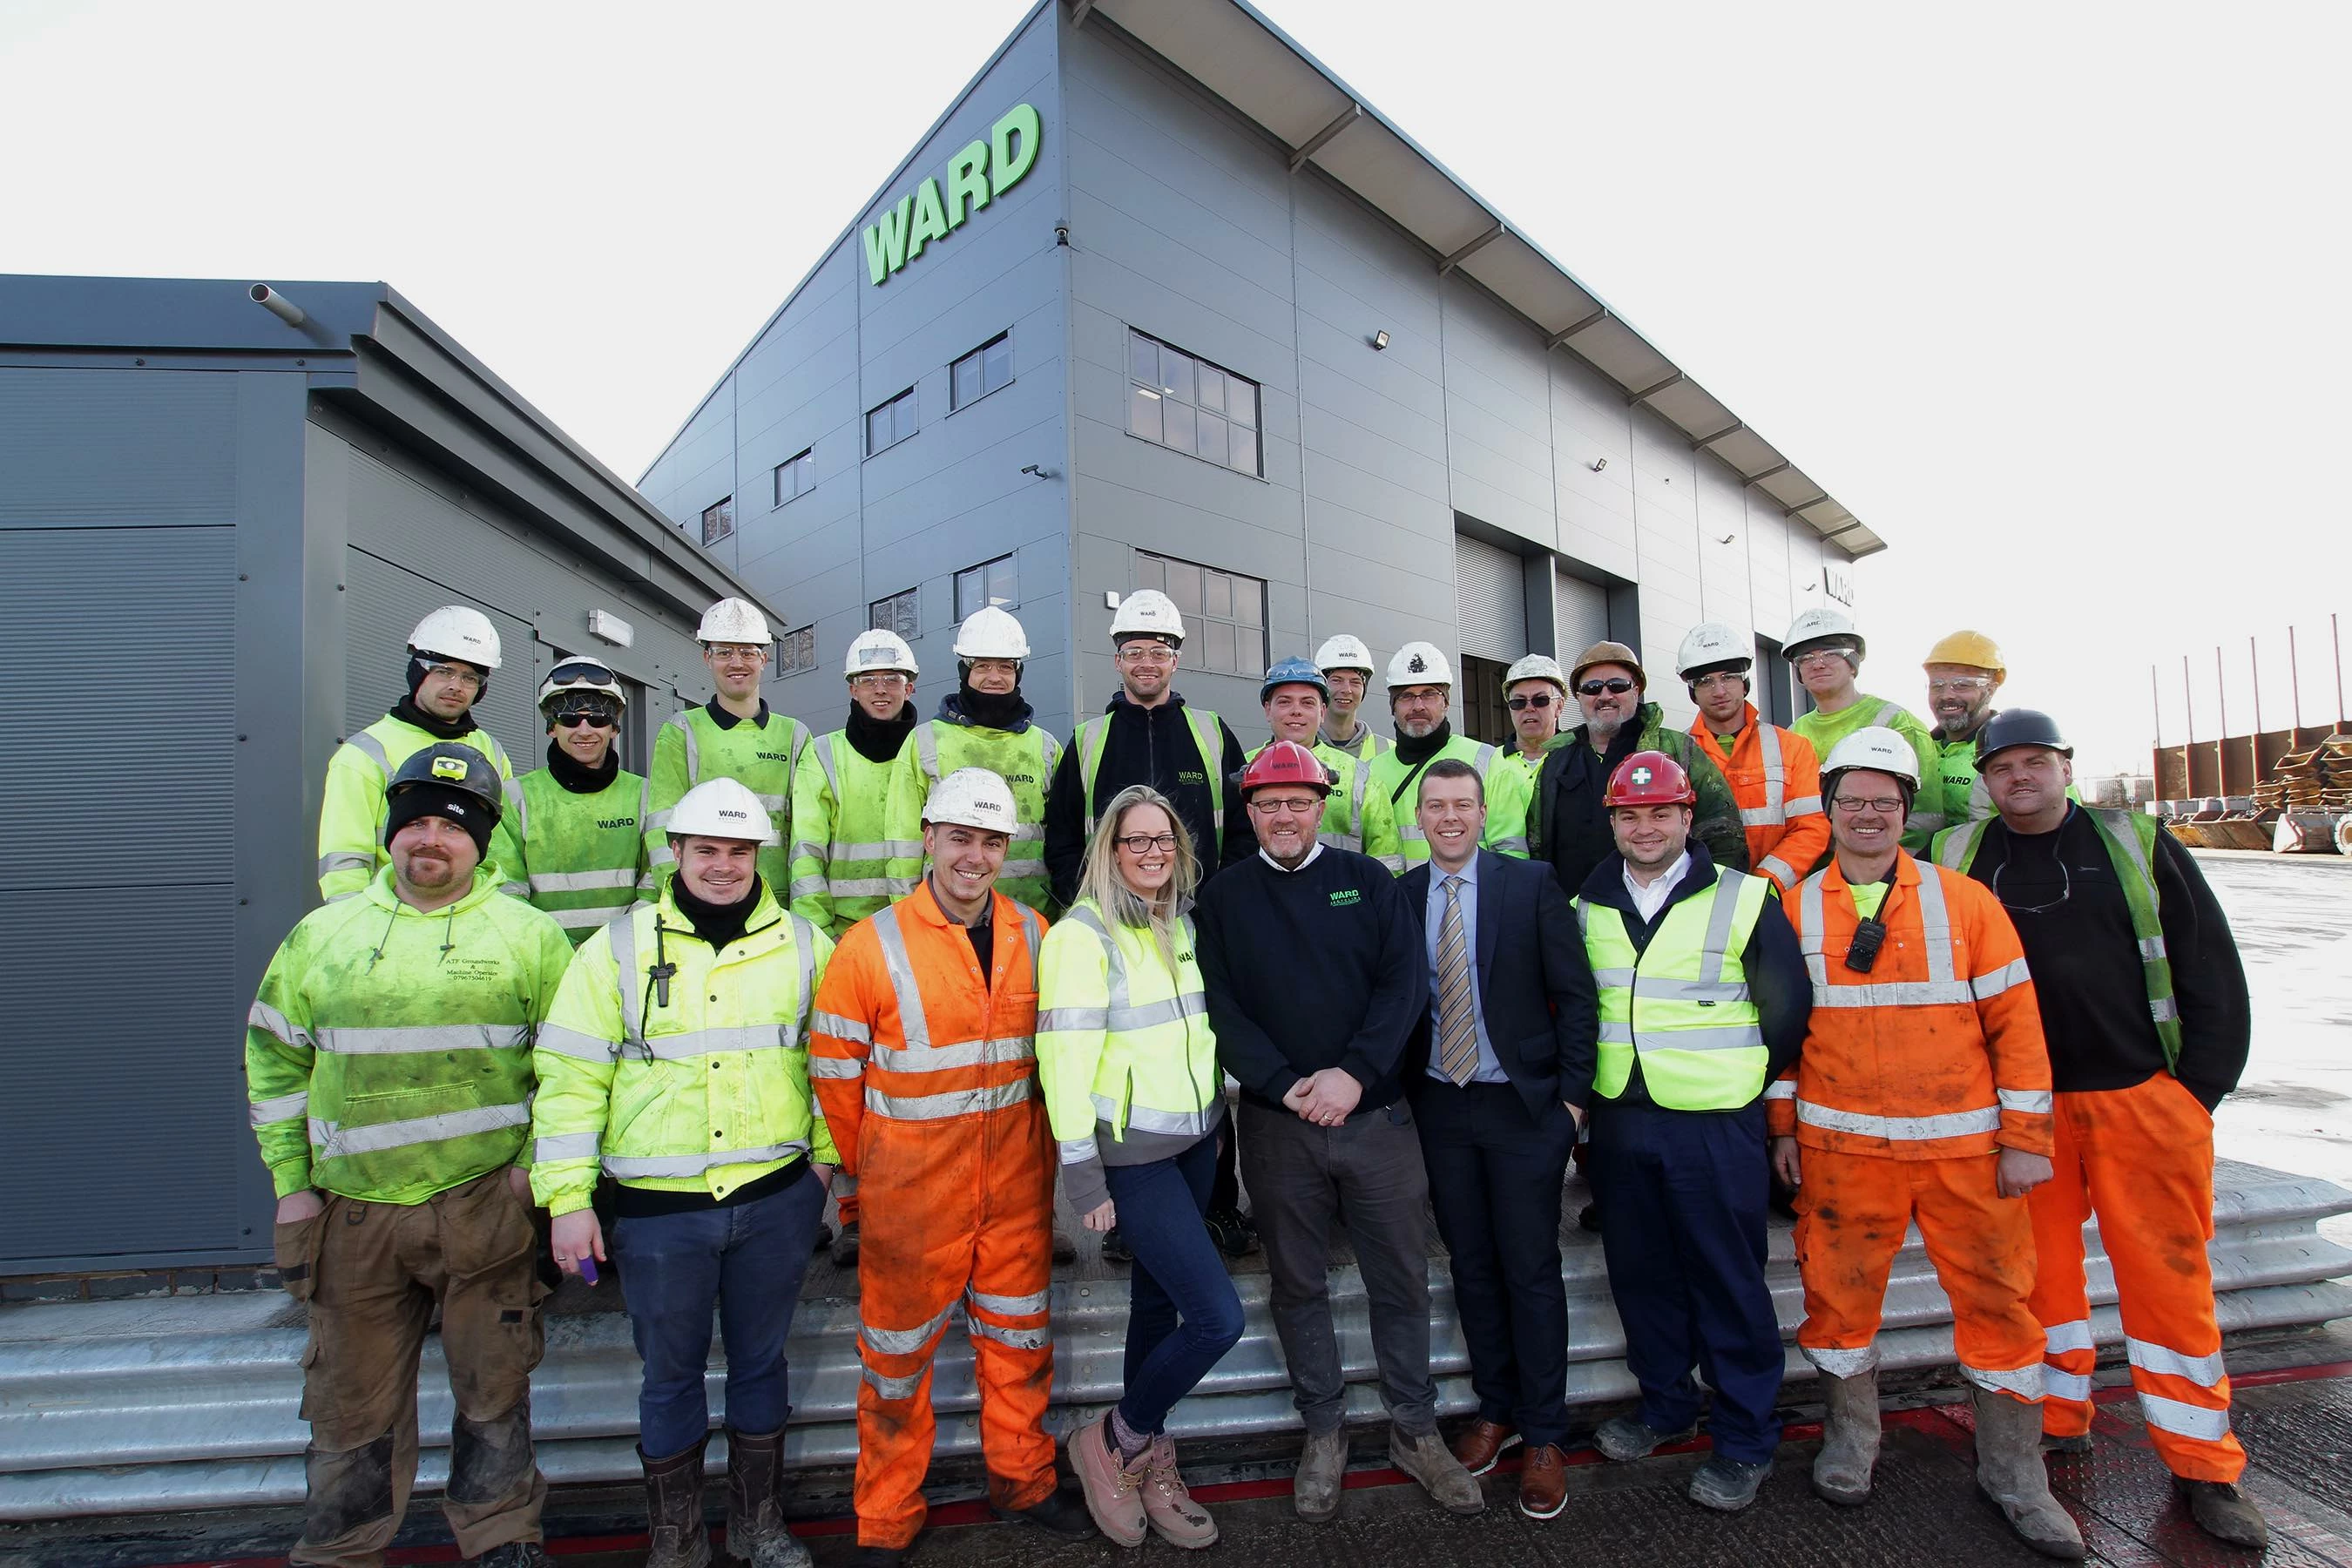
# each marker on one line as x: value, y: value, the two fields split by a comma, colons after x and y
x: 1160, y: 301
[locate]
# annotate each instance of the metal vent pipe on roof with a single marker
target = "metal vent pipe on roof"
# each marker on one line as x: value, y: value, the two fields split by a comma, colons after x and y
x: 278, y: 305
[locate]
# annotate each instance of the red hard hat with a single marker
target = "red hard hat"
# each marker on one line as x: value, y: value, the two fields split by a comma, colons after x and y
x: 1650, y: 778
x: 1286, y: 763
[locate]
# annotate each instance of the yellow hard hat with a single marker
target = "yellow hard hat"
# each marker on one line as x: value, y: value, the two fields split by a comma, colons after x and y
x: 1974, y: 650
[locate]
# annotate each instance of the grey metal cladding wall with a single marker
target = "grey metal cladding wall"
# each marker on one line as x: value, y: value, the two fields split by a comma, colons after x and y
x: 386, y: 602
x: 179, y: 467
x: 1490, y: 593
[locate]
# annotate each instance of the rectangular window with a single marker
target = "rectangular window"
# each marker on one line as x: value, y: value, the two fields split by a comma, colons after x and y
x: 895, y: 614
x: 1224, y: 613
x: 990, y: 583
x: 1188, y: 405
x: 891, y: 423
x: 796, y: 651
x: 718, y: 519
x: 981, y: 372
x: 795, y: 477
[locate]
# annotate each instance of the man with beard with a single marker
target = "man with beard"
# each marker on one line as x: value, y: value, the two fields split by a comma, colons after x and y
x: 579, y: 821
x: 1421, y: 686
x: 1965, y: 672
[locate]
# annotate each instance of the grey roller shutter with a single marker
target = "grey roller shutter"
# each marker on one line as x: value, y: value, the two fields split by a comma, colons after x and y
x: 1580, y: 612
x: 1490, y: 598
x: 385, y: 603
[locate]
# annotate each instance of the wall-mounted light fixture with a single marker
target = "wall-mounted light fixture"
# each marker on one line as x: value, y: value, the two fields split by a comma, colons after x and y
x: 1598, y: 464
x: 1381, y: 339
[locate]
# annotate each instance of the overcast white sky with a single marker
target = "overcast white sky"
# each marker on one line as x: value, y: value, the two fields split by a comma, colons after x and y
x: 2053, y: 295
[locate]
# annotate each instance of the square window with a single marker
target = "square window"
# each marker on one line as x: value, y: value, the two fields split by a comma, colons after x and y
x: 795, y: 477
x: 990, y: 583
x: 1218, y: 600
x: 1184, y: 588
x: 980, y: 372
x: 718, y: 520
x: 796, y: 651
x: 1210, y: 440
x: 1176, y: 375
x: 1211, y: 387
x: 1190, y: 406
x: 890, y: 423
x: 895, y: 614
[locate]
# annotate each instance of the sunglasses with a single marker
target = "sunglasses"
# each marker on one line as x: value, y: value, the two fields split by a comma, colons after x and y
x: 1540, y: 700
x: 1616, y: 686
x: 582, y: 670
x: 572, y: 721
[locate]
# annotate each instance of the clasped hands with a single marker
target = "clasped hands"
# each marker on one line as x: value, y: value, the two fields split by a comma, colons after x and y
x: 1324, y: 1098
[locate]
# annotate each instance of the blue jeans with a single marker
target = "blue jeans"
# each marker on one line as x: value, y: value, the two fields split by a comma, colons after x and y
x: 749, y: 1260
x: 1178, y: 1274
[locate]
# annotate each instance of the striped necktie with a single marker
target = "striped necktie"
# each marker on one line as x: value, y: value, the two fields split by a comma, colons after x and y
x: 1458, y: 1023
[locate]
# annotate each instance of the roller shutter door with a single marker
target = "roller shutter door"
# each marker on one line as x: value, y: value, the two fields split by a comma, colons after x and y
x: 1490, y: 600
x: 1579, y: 613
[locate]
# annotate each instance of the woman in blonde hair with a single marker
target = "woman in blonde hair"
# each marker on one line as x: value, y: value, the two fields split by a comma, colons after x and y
x: 1136, y: 1098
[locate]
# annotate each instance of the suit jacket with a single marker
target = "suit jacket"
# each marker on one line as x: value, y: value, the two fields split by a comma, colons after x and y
x: 1535, y: 984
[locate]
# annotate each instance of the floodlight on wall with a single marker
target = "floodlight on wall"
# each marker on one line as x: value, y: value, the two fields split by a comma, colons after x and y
x: 606, y: 627
x: 277, y: 304
x: 1038, y: 471
x: 1381, y: 339
x: 1598, y: 464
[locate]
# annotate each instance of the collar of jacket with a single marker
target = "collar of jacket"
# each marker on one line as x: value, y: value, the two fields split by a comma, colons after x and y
x: 951, y: 711
x: 1118, y: 704
x: 416, y: 718
x: 924, y: 905
x: 1606, y: 886
x: 1906, y: 873
x: 383, y: 892
x: 1700, y: 730
x: 726, y: 720
x: 766, y: 915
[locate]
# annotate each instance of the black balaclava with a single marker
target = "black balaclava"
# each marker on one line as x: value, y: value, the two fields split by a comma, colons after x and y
x: 717, y: 924
x: 578, y: 778
x: 878, y: 739
x: 989, y: 709
x: 1417, y: 751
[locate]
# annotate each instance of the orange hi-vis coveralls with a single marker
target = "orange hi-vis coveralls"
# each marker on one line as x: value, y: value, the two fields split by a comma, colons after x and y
x: 927, y: 1072
x: 1777, y: 780
x: 1913, y: 1076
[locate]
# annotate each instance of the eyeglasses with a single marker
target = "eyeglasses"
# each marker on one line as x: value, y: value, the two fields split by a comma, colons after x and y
x: 886, y: 680
x: 1821, y: 656
x: 1959, y: 683
x: 1886, y: 804
x: 1142, y: 843
x: 1285, y: 805
x: 1719, y: 678
x: 733, y: 653
x: 1539, y: 700
x: 464, y: 675
x: 1152, y: 653
x: 2066, y: 890
x: 574, y: 720
x: 1616, y: 686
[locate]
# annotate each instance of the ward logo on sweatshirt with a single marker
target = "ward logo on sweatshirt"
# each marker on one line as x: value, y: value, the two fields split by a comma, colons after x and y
x: 1347, y: 896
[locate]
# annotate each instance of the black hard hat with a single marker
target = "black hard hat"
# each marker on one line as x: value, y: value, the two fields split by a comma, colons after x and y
x: 2018, y: 727
x: 448, y: 765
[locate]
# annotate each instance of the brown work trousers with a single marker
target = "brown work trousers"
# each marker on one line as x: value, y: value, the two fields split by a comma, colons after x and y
x: 371, y: 1274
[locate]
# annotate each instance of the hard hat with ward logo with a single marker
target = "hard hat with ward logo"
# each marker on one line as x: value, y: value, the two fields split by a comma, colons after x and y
x: 723, y: 808
x: 972, y: 797
x: 458, y: 632
x: 1342, y: 651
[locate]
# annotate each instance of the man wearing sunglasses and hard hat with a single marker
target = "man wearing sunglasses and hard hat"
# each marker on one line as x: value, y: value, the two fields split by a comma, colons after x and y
x: 580, y: 821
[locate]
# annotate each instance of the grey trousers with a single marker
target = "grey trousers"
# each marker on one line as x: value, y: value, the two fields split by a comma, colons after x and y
x: 1367, y: 1175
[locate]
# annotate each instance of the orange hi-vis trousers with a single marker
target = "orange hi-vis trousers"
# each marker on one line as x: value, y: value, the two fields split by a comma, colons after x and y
x: 2141, y: 1158
x: 1853, y: 1211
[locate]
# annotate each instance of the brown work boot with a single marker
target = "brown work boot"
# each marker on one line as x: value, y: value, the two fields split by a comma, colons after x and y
x: 674, y: 1509
x: 1482, y: 1443
x: 1848, y: 1438
x: 756, y: 1533
x: 1322, y: 1468
x: 2225, y: 1512
x: 1180, y: 1521
x: 1427, y: 1459
x: 1543, y: 1481
x: 2009, y: 1471
x: 1114, y: 1492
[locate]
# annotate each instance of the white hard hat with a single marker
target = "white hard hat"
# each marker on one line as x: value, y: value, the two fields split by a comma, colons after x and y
x: 457, y: 631
x: 575, y: 676
x: 1536, y: 667
x: 879, y: 649
x: 1419, y: 664
x: 723, y: 808
x: 972, y: 797
x: 1878, y: 749
x: 1147, y: 612
x: 1344, y: 652
x: 733, y: 620
x: 991, y: 633
x: 1819, y: 627
x: 1712, y: 643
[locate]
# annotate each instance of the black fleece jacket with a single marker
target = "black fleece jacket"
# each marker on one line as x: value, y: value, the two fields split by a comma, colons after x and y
x: 1146, y: 746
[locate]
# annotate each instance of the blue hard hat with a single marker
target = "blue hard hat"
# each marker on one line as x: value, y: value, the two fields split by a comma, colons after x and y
x: 1294, y: 671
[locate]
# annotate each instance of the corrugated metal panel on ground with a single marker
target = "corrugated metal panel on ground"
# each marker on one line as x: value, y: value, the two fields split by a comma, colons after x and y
x: 385, y: 603
x: 1579, y: 613
x: 132, y: 1406
x: 1490, y: 598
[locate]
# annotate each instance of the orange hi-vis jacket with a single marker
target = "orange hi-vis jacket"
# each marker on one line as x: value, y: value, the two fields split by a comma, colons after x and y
x: 1937, y: 1052
x: 1777, y: 780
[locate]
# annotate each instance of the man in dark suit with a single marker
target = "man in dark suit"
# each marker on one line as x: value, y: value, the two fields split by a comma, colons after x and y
x: 1498, y: 1071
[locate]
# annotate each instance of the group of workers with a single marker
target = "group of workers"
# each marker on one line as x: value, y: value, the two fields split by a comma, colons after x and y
x: 1898, y: 969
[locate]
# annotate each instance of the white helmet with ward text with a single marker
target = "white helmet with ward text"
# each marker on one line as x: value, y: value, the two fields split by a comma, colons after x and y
x: 1146, y: 613
x: 1712, y: 644
x: 972, y: 797
x: 1875, y: 748
x: 458, y: 632
x: 722, y: 808
x: 1345, y: 652
x: 991, y: 633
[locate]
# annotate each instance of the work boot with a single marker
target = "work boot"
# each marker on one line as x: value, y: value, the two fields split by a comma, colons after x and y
x: 1180, y: 1521
x: 756, y: 1533
x: 1060, y: 1512
x: 1543, y: 1481
x: 1625, y: 1438
x: 1114, y: 1492
x: 513, y: 1554
x: 1482, y: 1443
x: 1427, y: 1458
x: 1232, y: 1231
x: 844, y: 1247
x: 2079, y: 1443
x: 1114, y: 1247
x: 673, y: 1511
x: 1322, y: 1467
x: 1849, y: 1439
x: 2009, y: 1471
x: 1725, y: 1485
x: 2225, y: 1512
x: 1066, y: 1248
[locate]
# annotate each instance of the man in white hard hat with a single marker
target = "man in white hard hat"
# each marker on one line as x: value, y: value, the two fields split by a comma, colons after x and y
x: 1348, y: 670
x: 1421, y: 685
x: 675, y: 1059
x: 841, y: 843
x: 450, y: 656
x: 1964, y: 671
x: 985, y: 723
x: 732, y: 736
x: 1774, y: 774
x: 1535, y: 690
x: 1826, y: 652
x: 579, y: 822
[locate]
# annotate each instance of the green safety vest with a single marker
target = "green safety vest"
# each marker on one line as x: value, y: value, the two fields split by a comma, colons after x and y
x: 1121, y: 1040
x: 703, y: 1092
x: 388, y: 1053
x: 1369, y: 743
x: 1508, y: 792
x: 352, y: 810
x: 2130, y: 840
x: 1024, y: 761
x: 1355, y: 816
x: 841, y: 853
x: 690, y: 748
x: 583, y: 856
x: 1208, y: 738
x: 1826, y: 730
x: 1682, y: 1002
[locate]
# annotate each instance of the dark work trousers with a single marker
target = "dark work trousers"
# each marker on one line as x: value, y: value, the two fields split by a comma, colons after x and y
x: 1367, y: 1172
x: 1494, y: 1175
x: 1684, y: 1194
x: 748, y: 1261
x: 1182, y: 1312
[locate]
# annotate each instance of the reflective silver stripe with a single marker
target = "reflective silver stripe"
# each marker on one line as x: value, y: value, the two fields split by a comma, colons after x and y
x: 2164, y: 1012
x: 679, y: 1166
x: 1035, y: 866
x: 894, y: 1387
x: 1514, y: 845
x: 1780, y: 870
x: 624, y: 933
x: 1759, y: 816
x: 713, y: 1042
x: 518, y: 806
x: 1780, y: 1089
x: 2025, y: 1382
x: 903, y: 848
x: 1658, y: 988
x: 1611, y: 979
x: 1012, y: 1306
x: 1175, y: 1123
x: 583, y: 882
x: 835, y: 1067
x: 927, y: 749
x: 775, y: 802
x: 904, y: 1341
x: 1896, y: 993
x: 2183, y: 1419
x: 1356, y: 803
x: 825, y: 762
x: 2059, y: 1384
x: 912, y: 1024
x: 385, y: 1042
x: 1809, y: 806
x: 368, y: 746
x: 1032, y: 1338
x: 1844, y: 1362
x: 584, y: 919
x: 331, y: 1141
x: 1412, y: 834
x: 1093, y: 1020
x: 345, y: 861
x: 2152, y: 949
x: 1900, y: 1129
x: 1732, y: 1038
x: 1729, y: 887
x: 2011, y: 975
x: 956, y: 1102
x: 566, y: 1146
x: 942, y: 1058
x: 1936, y: 925
x: 841, y: 1027
x: 857, y: 886
x: 566, y: 1042
x: 270, y: 1021
x: 2206, y: 1371
x: 1078, y: 1150
x: 2027, y: 1101
x: 684, y: 724
x: 1776, y: 777
x: 285, y: 1108
x: 2073, y: 1336
x: 1150, y: 1015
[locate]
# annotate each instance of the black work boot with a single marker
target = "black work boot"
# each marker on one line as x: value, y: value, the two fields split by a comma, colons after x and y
x: 674, y: 1509
x: 1060, y: 1512
x: 756, y: 1533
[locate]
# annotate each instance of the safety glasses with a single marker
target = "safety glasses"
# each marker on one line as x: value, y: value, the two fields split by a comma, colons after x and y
x: 582, y: 672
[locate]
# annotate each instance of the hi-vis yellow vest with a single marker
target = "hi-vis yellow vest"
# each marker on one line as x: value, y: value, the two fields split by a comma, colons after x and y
x: 1682, y: 1002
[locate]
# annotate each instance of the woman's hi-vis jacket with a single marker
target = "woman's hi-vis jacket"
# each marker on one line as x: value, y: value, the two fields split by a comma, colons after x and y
x: 1937, y: 1052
